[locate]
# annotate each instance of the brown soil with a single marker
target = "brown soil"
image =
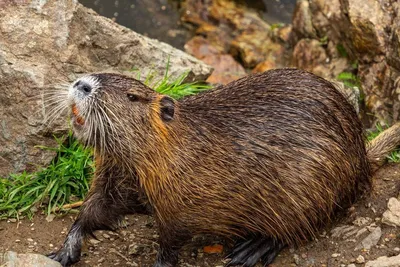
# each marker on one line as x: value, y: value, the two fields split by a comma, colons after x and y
x: 136, y: 244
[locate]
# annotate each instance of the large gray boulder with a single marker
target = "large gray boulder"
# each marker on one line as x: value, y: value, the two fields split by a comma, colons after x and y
x: 44, y: 44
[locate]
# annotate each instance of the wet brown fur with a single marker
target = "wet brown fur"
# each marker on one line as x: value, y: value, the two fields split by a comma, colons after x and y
x: 276, y: 153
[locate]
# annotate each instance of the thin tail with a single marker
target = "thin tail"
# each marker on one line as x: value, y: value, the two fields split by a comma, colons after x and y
x: 382, y: 145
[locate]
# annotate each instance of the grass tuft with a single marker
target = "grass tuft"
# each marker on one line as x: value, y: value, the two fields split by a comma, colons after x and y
x: 174, y: 87
x: 66, y: 178
x: 349, y: 79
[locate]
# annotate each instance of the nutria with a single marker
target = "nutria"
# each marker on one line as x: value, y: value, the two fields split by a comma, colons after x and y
x: 267, y: 159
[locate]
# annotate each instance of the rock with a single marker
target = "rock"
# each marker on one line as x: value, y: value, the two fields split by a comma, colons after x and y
x: 200, y: 47
x: 235, y: 29
x: 302, y: 18
x: 94, y: 241
x: 367, y: 32
x: 351, y: 265
x: 284, y: 33
x: 136, y: 249
x: 226, y: 68
x: 335, y: 255
x: 361, y: 221
x: 44, y: 44
x: 371, y: 240
x: 219, y: 36
x: 264, y: 66
x: 385, y: 262
x: 106, y: 236
x: 254, y: 46
x: 50, y: 217
x: 296, y: 259
x: 392, y: 215
x: 14, y: 259
x: 308, y: 54
x: 360, y: 259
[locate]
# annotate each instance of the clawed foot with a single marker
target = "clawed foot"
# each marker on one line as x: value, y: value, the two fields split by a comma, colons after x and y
x: 249, y: 251
x: 65, y: 256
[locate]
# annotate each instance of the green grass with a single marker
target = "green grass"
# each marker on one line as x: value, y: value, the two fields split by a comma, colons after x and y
x: 174, y: 87
x: 349, y: 79
x: 178, y: 88
x: 374, y: 133
x: 394, y: 156
x: 342, y: 51
x: 67, y: 178
x: 324, y: 40
x: 276, y: 26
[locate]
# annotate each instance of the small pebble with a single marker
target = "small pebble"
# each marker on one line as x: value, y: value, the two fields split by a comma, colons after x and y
x: 296, y: 259
x: 351, y: 265
x: 360, y: 259
x: 30, y: 239
x: 106, y: 236
x: 94, y: 241
x: 396, y: 249
x: 335, y: 255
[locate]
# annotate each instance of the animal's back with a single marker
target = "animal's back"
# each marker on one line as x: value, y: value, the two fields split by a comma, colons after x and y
x: 283, y: 150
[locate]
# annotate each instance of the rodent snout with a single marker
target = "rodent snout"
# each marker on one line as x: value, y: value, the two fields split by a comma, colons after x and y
x: 83, y: 87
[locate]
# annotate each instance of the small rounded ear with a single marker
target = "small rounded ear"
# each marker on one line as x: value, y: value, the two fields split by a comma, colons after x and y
x: 167, y: 108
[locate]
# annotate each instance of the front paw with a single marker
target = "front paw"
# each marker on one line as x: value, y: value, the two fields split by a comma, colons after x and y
x: 66, y: 256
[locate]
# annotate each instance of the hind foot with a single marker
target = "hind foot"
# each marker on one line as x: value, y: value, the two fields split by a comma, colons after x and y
x: 247, y: 252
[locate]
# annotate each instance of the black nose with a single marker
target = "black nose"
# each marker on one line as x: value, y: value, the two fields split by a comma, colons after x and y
x: 83, y: 87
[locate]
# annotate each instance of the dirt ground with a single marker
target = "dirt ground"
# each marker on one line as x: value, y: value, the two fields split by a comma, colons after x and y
x: 136, y: 244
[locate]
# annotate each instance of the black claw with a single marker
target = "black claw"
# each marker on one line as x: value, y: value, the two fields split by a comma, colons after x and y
x: 269, y: 257
x: 238, y: 247
x: 249, y: 251
x: 64, y: 257
x: 244, y: 251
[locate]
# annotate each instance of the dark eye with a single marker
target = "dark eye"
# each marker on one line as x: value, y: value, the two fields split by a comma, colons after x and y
x: 132, y: 97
